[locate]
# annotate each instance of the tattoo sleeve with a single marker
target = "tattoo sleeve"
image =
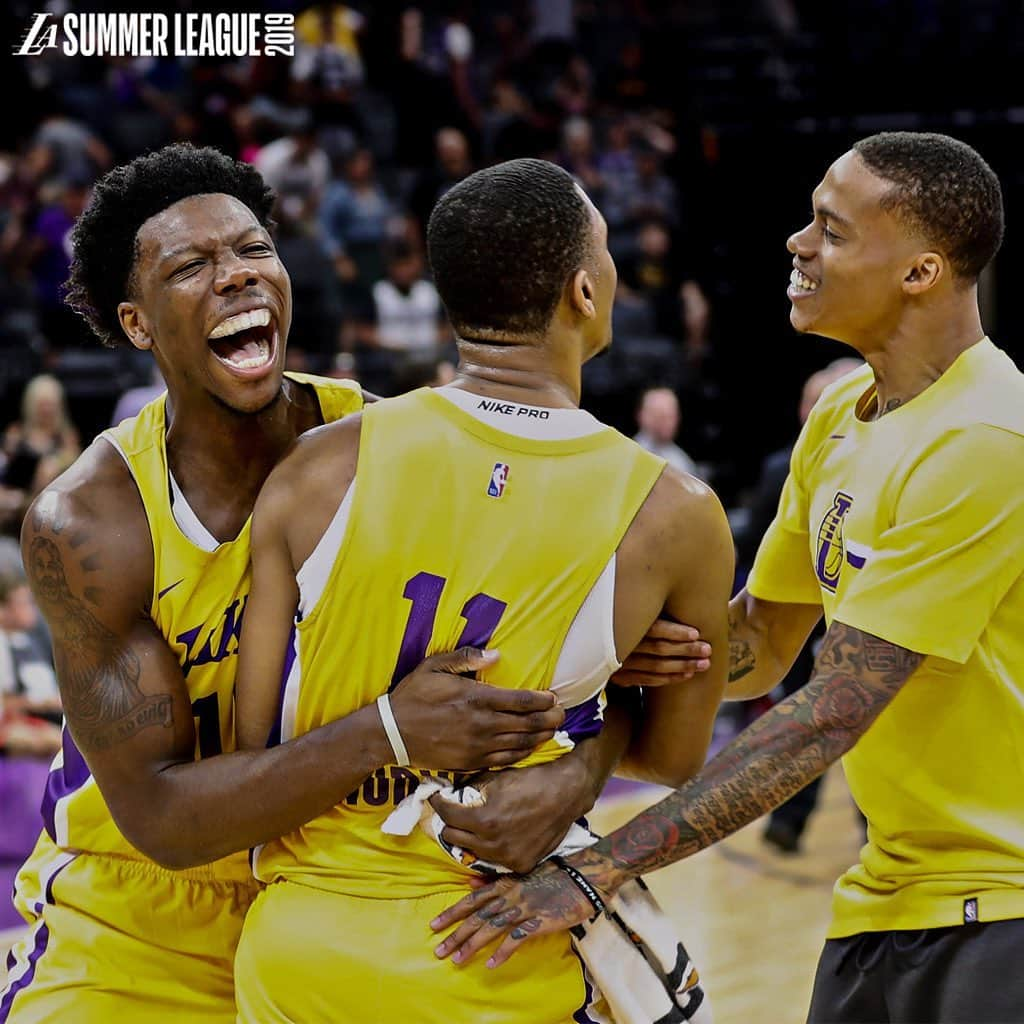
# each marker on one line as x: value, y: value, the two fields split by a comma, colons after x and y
x: 856, y: 676
x: 742, y: 659
x: 98, y: 672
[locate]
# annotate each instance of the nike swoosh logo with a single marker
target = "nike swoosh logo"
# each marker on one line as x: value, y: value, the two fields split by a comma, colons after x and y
x: 167, y: 590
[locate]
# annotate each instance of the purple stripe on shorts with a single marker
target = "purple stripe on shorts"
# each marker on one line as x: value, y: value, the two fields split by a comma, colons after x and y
x: 584, y: 720
x: 72, y: 775
x: 42, y: 937
x: 581, y: 1016
x: 274, y: 738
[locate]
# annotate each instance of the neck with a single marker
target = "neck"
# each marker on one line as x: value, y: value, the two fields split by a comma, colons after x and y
x: 541, y: 373
x: 919, y: 351
x: 221, y: 458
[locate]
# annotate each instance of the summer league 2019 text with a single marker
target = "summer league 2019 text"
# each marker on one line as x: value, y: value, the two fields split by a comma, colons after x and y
x: 155, y: 34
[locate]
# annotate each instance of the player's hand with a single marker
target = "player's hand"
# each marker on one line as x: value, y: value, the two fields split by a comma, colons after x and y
x: 670, y: 653
x: 512, y: 909
x: 448, y: 721
x: 525, y: 813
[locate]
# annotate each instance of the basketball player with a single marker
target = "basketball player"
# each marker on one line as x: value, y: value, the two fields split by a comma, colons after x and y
x: 495, y: 511
x: 138, y: 556
x: 902, y: 519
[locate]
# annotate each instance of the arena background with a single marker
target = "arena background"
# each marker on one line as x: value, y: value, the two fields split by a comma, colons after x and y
x: 701, y: 125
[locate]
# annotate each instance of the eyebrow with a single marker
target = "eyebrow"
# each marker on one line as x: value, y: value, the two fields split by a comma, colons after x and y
x: 830, y: 214
x: 179, y: 250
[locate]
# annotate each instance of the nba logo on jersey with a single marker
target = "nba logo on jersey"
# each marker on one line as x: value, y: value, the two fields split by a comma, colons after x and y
x: 496, y: 488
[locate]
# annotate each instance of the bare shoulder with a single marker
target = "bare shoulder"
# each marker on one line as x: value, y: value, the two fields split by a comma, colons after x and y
x: 86, y: 534
x: 680, y: 507
x: 304, y: 490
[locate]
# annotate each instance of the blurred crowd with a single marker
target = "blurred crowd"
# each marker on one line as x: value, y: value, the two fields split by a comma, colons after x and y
x: 670, y: 119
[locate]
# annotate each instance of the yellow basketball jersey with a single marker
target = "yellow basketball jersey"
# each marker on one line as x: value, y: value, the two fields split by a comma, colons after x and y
x: 198, y: 600
x: 911, y: 528
x: 458, y: 533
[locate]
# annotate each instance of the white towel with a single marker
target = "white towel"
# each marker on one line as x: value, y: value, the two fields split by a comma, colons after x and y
x: 638, y: 968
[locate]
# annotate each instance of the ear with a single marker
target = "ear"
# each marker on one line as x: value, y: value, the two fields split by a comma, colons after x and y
x: 581, y: 294
x: 133, y: 324
x: 925, y: 273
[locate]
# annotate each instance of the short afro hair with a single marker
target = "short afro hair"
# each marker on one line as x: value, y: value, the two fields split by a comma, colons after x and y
x: 944, y: 190
x: 503, y: 243
x: 104, y: 241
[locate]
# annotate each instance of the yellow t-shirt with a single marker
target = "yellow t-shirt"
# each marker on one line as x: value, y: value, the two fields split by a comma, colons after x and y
x: 459, y: 533
x: 911, y: 527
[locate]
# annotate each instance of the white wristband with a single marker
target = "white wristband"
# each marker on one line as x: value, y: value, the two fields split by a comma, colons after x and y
x: 387, y: 718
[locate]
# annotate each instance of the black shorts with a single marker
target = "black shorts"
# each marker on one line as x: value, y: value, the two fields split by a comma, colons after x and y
x: 968, y: 974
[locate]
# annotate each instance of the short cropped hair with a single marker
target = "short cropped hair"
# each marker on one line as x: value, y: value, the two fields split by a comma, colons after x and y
x: 503, y: 243
x: 943, y: 189
x: 104, y: 241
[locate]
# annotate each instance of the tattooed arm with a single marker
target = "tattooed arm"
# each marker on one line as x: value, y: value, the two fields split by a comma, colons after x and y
x: 856, y: 676
x: 764, y: 639
x: 88, y: 554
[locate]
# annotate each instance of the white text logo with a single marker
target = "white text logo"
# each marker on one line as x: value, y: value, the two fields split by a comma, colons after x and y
x: 161, y: 35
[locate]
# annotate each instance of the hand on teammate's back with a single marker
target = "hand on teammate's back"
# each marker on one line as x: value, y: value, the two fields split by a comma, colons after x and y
x: 449, y: 721
x: 671, y: 652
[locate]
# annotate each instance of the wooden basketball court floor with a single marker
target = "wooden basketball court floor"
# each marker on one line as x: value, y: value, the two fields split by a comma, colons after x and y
x: 752, y: 919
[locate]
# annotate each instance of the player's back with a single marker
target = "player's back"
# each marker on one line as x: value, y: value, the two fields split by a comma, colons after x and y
x: 454, y: 531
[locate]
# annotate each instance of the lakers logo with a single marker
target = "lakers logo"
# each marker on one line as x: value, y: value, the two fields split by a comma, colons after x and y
x: 829, y: 562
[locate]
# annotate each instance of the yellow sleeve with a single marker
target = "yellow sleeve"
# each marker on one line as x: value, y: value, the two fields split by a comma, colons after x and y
x: 783, y: 570
x: 955, y: 548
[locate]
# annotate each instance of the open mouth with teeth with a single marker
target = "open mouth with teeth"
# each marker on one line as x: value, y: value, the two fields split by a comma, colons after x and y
x: 801, y: 282
x: 246, y: 341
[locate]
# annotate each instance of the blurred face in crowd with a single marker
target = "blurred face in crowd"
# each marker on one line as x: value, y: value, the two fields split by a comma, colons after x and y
x: 654, y: 241
x: 405, y: 272
x: 213, y: 302
x: 855, y: 263
x: 659, y: 415
x: 360, y: 167
x: 18, y: 612
x: 44, y: 404
x: 817, y: 382
x: 453, y: 152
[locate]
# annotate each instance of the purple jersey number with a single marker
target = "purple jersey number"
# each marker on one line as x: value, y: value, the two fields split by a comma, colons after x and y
x: 481, y: 612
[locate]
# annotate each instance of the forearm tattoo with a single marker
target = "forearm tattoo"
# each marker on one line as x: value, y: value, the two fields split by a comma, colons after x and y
x: 742, y: 659
x: 98, y: 673
x: 856, y: 676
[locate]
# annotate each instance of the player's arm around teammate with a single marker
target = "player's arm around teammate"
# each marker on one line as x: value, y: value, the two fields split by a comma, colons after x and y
x: 89, y: 558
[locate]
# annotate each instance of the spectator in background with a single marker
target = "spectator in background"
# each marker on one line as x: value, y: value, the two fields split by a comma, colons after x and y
x: 658, y: 420
x: 578, y: 158
x: 787, y: 823
x: 44, y: 442
x: 132, y: 401
x: 652, y: 196
x: 616, y: 165
x: 657, y: 275
x: 29, y: 698
x: 49, y: 256
x: 327, y: 47
x: 453, y: 163
x: 63, y: 147
x: 408, y: 309
x: 328, y: 70
x: 355, y: 217
x: 509, y: 128
x: 297, y: 169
